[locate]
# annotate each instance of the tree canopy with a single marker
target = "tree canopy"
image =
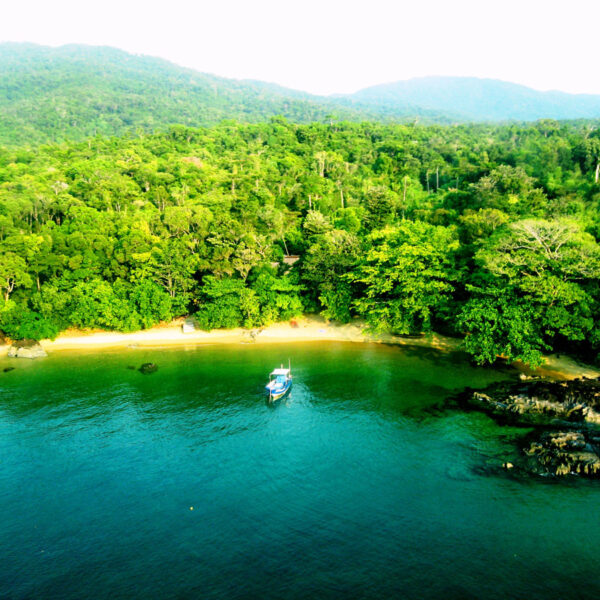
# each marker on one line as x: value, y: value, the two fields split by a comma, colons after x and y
x: 486, y: 232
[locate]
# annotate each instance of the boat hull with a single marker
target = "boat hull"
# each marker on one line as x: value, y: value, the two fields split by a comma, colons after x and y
x: 276, y: 395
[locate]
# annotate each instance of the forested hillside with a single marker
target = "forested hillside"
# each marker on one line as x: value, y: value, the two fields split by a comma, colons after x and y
x: 74, y: 92
x: 485, y: 232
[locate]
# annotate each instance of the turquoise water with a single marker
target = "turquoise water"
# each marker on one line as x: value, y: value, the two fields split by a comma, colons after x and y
x: 356, y: 486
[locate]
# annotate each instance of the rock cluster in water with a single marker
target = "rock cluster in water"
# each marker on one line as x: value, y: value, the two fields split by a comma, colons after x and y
x: 565, y: 417
x: 564, y: 453
x: 542, y: 402
x: 26, y: 349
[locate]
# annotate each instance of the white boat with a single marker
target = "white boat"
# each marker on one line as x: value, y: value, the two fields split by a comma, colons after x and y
x: 280, y: 383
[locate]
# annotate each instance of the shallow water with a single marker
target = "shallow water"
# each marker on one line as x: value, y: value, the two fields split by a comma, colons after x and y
x: 355, y: 486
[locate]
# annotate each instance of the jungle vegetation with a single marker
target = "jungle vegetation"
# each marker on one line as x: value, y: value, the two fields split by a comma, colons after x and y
x: 485, y: 232
x: 73, y: 92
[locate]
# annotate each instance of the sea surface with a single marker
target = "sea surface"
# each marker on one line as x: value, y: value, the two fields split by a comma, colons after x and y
x: 185, y: 483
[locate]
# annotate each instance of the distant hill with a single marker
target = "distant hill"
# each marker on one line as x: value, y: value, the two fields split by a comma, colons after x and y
x: 473, y: 99
x: 73, y: 92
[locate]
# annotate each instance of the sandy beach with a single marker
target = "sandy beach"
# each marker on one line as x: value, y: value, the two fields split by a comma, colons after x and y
x: 305, y: 329
x: 299, y: 330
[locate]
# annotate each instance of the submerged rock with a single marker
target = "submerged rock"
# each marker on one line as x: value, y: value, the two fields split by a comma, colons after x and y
x: 8, y: 369
x: 26, y: 349
x: 148, y: 368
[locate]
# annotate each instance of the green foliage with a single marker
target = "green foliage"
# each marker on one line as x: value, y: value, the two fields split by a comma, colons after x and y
x: 279, y: 298
x: 476, y: 226
x: 74, y: 92
x: 542, y: 287
x: 13, y: 273
x: 331, y: 256
x: 380, y: 204
x: 406, y: 276
x: 227, y: 303
x: 19, y: 322
x: 98, y: 304
x: 337, y: 302
x: 151, y: 302
x: 497, y: 324
x: 486, y: 231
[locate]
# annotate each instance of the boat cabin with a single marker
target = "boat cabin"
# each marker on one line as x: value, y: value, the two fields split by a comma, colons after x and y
x: 280, y: 375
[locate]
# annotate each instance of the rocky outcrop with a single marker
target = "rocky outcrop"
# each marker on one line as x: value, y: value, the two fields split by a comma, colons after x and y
x: 566, y: 420
x: 564, y: 453
x: 26, y: 349
x: 148, y: 368
x: 556, y: 404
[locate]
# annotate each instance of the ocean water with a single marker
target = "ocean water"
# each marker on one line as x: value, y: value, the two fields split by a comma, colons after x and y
x: 186, y: 484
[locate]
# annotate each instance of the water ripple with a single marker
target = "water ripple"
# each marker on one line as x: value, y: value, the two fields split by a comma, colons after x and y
x: 187, y: 483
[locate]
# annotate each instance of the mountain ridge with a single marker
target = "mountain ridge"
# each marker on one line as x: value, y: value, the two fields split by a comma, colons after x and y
x: 76, y: 91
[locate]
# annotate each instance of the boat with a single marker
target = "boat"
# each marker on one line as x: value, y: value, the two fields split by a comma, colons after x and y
x: 280, y: 383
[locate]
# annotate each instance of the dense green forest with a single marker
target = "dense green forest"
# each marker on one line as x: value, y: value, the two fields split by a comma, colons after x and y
x: 74, y: 92
x: 486, y: 232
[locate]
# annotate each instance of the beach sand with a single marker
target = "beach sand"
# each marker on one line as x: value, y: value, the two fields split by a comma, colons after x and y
x: 305, y: 329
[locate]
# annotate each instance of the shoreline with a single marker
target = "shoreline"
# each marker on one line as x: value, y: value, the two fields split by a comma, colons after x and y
x: 305, y: 329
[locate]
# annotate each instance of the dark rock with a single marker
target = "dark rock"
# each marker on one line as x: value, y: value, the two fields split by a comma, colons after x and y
x: 148, y: 368
x: 561, y: 453
x: 131, y: 367
x: 8, y: 369
x: 566, y: 416
x: 535, y: 402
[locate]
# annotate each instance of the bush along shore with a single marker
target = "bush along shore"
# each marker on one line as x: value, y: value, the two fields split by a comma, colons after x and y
x: 563, y: 419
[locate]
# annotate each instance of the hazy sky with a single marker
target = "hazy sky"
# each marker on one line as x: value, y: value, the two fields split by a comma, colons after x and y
x: 325, y: 46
